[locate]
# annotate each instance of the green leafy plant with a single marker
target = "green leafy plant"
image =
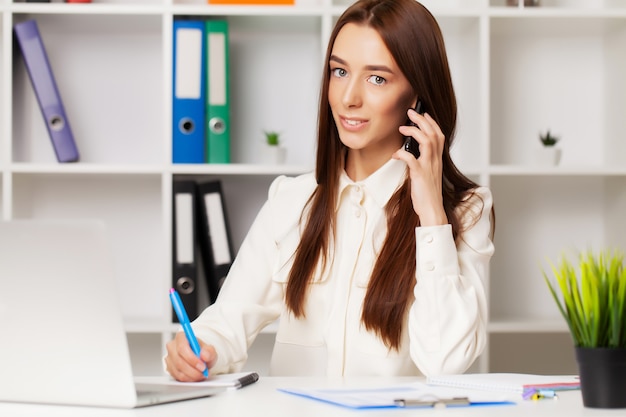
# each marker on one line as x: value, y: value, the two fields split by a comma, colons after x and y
x: 548, y: 139
x: 594, y: 304
x: 272, y: 138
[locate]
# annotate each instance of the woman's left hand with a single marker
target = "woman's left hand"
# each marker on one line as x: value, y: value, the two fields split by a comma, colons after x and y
x: 426, y: 172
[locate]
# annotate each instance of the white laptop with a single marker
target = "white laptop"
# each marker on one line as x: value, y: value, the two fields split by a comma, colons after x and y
x: 63, y: 339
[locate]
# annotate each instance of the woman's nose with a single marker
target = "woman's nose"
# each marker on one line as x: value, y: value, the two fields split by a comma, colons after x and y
x: 352, y: 95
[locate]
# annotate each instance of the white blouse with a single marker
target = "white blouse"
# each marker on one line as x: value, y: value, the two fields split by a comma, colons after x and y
x: 446, y: 325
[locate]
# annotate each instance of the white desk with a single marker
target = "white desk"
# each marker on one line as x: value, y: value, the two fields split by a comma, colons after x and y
x: 262, y: 399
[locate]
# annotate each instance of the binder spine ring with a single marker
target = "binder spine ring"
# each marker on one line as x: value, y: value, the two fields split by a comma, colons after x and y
x: 187, y: 126
x: 57, y: 123
x: 185, y: 285
x: 217, y: 125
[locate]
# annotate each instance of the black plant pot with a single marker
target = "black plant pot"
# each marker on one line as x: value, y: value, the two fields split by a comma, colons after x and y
x: 602, y: 377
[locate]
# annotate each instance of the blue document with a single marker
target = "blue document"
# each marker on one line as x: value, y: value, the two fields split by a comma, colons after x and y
x: 415, y: 394
x: 44, y: 84
x: 189, y: 92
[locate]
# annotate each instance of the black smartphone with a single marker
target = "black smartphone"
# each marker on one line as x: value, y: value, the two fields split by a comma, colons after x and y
x: 410, y: 144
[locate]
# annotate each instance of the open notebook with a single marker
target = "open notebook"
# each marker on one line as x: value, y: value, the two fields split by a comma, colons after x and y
x: 63, y: 336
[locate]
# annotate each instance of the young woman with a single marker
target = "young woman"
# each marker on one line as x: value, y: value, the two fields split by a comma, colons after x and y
x: 374, y: 264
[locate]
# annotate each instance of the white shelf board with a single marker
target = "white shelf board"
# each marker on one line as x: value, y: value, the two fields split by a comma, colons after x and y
x: 527, y: 170
x: 557, y: 12
x: 436, y: 9
x: 177, y: 169
x: 527, y: 326
x: 238, y: 169
x: 256, y: 11
x: 91, y: 9
x: 85, y: 168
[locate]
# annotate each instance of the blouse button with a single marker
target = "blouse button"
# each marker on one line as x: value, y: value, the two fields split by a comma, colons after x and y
x: 429, y: 267
x: 428, y: 238
x: 357, y: 213
x: 356, y: 195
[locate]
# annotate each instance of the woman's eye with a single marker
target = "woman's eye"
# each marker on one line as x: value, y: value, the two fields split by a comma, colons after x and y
x: 377, y: 80
x: 339, y: 72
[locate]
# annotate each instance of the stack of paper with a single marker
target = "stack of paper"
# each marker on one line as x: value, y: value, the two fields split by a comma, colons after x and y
x: 526, y: 385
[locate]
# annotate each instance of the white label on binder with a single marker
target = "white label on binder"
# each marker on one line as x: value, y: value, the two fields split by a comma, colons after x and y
x: 217, y: 228
x: 188, y: 63
x: 217, y: 68
x: 184, y: 228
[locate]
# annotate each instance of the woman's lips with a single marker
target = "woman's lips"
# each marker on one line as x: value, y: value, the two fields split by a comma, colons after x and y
x: 352, y: 124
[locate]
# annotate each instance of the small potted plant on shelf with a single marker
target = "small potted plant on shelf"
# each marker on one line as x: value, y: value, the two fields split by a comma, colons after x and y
x: 594, y: 307
x: 549, y: 154
x: 274, y: 152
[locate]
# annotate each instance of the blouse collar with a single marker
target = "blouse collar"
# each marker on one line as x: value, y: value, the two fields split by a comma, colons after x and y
x: 380, y: 185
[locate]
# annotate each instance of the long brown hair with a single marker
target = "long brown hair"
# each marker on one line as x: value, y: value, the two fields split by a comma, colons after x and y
x: 414, y: 39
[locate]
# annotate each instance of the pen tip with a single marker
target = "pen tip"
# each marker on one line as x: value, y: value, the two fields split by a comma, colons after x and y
x: 172, y: 290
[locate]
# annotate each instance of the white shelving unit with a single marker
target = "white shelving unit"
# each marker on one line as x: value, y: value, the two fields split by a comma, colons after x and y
x: 517, y: 71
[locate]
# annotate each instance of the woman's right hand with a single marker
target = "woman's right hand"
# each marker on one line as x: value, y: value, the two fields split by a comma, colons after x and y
x: 183, y: 365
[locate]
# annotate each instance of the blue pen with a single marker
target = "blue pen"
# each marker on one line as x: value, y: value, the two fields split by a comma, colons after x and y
x: 179, y: 308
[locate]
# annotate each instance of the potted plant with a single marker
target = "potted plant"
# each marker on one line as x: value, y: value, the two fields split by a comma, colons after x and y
x: 272, y: 138
x: 549, y: 154
x: 594, y: 307
x: 274, y: 152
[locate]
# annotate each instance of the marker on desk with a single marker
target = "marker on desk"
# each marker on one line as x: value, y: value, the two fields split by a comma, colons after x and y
x: 246, y: 380
x: 543, y: 393
x: 179, y: 308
